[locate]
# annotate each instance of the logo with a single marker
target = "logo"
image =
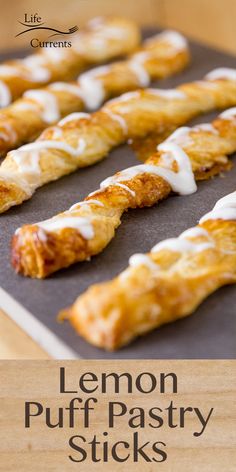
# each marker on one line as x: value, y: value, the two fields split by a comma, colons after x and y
x: 33, y: 23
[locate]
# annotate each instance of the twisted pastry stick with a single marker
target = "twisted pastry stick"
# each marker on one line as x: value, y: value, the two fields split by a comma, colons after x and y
x: 82, y: 141
x: 165, y: 285
x: 87, y: 227
x: 115, y: 36
x: 160, y: 56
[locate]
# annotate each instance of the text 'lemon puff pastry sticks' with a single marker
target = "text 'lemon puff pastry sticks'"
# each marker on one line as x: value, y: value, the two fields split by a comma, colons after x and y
x: 115, y: 36
x: 160, y: 56
x: 160, y: 287
x: 80, y: 141
x: 86, y: 228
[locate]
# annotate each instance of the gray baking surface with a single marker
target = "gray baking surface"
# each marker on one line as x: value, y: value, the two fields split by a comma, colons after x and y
x: 210, y: 332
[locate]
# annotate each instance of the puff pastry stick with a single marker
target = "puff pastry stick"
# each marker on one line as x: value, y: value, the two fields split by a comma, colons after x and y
x: 162, y: 55
x: 80, y: 142
x: 165, y: 285
x: 115, y: 36
x: 86, y: 228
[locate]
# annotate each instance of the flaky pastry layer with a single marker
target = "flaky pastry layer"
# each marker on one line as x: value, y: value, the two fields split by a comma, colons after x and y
x: 86, y: 229
x: 165, y: 285
x: 116, y: 36
x: 83, y: 141
x: 160, y: 56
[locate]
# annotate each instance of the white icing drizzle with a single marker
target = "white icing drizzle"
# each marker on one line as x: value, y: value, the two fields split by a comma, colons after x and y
x: 92, y: 88
x: 142, y: 259
x: 28, y: 164
x: 136, y: 64
x: 56, y: 132
x: 180, y: 136
x: 224, y: 209
x: 48, y: 102
x: 126, y: 97
x: 68, y: 88
x: 141, y: 56
x: 169, y: 94
x: 55, y: 54
x: 205, y: 127
x: 9, y: 70
x: 125, y: 187
x: 181, y: 244
x: 5, y: 94
x: 38, y: 72
x: 181, y: 182
x: 74, y: 116
x: 205, y: 84
x: 62, y: 146
x: 118, y: 118
x: 140, y: 72
x: 222, y: 73
x: 176, y: 39
x: 83, y: 43
x: 70, y: 219
x: 195, y: 232
x: 96, y: 22
x: 112, y: 32
x: 229, y: 114
x: 221, y: 214
x: 22, y: 105
x: 105, y: 30
x: 85, y: 203
x: 102, y: 31
x: 27, y: 156
x: 61, y: 222
x: 7, y: 132
x: 32, y: 70
x: 106, y: 183
x: 228, y: 200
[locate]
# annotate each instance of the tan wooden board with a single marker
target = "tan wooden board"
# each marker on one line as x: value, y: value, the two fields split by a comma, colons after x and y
x: 202, y: 384
x: 15, y: 343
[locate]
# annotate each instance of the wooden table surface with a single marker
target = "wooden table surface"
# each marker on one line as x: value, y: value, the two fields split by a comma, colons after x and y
x: 15, y: 343
x: 40, y: 448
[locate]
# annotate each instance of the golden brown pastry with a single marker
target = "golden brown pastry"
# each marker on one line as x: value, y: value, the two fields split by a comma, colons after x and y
x: 116, y: 36
x: 80, y: 141
x: 85, y: 229
x: 162, y: 55
x: 165, y: 285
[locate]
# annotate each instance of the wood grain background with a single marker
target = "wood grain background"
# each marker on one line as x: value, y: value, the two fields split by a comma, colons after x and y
x: 202, y: 384
x: 15, y: 343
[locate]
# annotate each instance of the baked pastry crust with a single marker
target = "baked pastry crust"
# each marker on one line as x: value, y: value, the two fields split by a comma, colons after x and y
x: 85, y: 230
x: 83, y: 141
x: 160, y: 56
x: 163, y: 286
x: 49, y: 65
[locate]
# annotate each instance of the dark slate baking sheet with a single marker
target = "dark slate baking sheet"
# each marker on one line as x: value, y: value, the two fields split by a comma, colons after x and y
x: 209, y: 333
